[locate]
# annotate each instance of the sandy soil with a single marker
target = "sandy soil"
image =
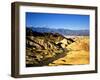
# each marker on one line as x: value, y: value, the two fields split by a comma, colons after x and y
x: 78, y: 53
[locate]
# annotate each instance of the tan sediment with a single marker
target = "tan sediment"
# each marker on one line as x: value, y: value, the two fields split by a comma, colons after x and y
x: 78, y: 53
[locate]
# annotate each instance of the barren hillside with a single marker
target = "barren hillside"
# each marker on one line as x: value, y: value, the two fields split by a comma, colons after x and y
x: 52, y: 49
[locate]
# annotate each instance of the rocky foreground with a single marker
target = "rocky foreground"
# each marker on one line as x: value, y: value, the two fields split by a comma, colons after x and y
x: 52, y: 49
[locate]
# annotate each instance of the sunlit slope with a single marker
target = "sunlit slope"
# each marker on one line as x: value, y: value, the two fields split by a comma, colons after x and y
x: 78, y: 53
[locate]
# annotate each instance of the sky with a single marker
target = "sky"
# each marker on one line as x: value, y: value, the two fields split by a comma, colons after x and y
x: 62, y: 21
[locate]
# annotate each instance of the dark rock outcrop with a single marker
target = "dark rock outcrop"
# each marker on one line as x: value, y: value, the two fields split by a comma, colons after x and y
x: 43, y: 48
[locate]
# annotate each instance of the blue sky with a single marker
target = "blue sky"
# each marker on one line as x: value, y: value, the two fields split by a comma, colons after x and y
x: 66, y: 21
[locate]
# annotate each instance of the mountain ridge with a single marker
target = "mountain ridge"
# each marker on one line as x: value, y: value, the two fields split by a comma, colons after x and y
x: 61, y: 31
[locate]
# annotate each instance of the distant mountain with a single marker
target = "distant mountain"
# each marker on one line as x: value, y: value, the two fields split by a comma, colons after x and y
x: 62, y: 31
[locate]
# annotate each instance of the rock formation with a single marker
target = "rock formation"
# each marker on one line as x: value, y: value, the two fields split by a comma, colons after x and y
x: 43, y: 48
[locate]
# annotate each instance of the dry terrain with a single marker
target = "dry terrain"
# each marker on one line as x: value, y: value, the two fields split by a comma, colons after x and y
x: 78, y: 53
x: 52, y: 49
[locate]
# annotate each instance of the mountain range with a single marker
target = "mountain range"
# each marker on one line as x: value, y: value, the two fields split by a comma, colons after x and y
x: 66, y: 32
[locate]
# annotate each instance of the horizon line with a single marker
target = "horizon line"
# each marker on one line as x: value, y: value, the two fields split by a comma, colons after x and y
x: 56, y: 28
